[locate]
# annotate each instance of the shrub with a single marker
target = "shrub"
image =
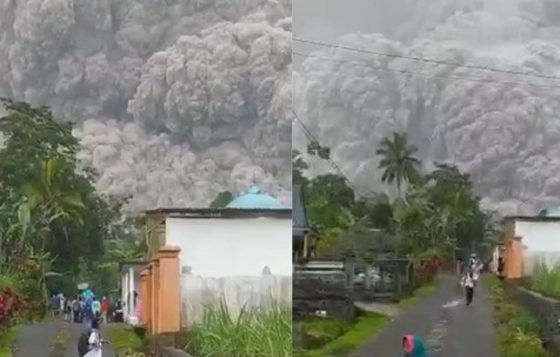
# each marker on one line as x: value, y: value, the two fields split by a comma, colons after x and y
x: 14, y: 308
x: 317, y: 332
x: 11, y: 305
x: 517, y: 343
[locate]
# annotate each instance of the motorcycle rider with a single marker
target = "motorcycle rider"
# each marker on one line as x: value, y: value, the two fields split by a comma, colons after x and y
x: 90, y: 342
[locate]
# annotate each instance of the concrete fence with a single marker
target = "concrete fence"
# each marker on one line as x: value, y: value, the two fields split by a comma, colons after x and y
x: 544, y: 309
x: 237, y: 292
x: 534, y: 258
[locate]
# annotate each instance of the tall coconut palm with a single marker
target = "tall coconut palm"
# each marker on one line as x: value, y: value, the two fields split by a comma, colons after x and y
x: 398, y: 162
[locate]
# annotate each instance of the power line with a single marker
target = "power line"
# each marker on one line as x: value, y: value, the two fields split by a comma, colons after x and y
x: 333, y: 164
x: 426, y: 75
x: 428, y: 60
x: 312, y: 138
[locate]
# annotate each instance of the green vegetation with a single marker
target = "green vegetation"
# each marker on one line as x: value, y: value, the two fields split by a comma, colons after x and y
x: 55, y: 229
x: 421, y: 291
x: 222, y: 200
x: 437, y: 213
x: 317, y: 332
x: 546, y: 280
x: 255, y: 332
x: 125, y: 339
x: 518, y: 332
x: 398, y: 162
x: 366, y: 326
x: 8, y: 341
x: 435, y: 217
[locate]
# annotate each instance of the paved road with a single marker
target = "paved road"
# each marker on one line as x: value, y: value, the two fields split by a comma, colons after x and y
x: 38, y: 340
x: 450, y: 328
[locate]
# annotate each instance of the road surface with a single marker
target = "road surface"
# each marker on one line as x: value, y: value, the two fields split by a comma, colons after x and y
x: 449, y: 327
x: 38, y: 340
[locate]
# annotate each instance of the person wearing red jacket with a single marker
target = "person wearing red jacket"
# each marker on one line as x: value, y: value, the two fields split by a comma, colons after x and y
x: 104, y: 309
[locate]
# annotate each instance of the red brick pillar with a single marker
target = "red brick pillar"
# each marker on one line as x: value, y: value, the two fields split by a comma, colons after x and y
x: 169, y: 295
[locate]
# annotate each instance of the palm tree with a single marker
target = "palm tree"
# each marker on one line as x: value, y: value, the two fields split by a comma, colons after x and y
x: 398, y: 161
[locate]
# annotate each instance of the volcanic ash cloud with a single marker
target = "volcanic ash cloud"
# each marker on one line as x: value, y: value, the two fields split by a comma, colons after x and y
x: 502, y: 129
x: 187, y: 79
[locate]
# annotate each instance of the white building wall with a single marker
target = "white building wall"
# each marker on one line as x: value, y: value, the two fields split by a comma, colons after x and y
x: 542, y: 242
x: 124, y: 292
x: 130, y: 282
x: 226, y: 257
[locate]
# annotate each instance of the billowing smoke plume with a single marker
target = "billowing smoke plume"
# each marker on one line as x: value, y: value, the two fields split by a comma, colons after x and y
x: 175, y: 100
x: 503, y: 129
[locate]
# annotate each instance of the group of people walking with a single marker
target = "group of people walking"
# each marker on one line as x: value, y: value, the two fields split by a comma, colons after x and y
x: 84, y: 307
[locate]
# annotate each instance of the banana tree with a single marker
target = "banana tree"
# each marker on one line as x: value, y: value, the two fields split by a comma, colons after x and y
x: 43, y: 261
x: 59, y: 205
x: 16, y: 230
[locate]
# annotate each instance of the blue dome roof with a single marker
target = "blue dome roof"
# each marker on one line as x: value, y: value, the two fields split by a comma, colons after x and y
x: 553, y: 212
x: 254, y: 199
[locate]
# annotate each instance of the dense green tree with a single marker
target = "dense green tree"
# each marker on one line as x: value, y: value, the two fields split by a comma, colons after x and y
x: 38, y: 167
x: 453, y: 190
x: 398, y: 162
x: 377, y: 212
x: 328, y: 199
x: 32, y: 136
x: 222, y: 200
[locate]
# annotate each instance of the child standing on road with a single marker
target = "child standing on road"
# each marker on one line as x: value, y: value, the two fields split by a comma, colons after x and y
x: 413, y: 346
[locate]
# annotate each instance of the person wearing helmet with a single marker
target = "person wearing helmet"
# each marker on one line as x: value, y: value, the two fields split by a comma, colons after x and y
x: 473, y: 261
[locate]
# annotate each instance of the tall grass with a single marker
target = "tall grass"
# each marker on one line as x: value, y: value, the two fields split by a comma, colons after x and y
x: 364, y: 328
x: 255, y: 332
x: 546, y: 280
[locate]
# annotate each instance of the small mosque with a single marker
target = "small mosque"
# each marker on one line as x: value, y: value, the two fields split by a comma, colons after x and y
x: 255, y: 199
x: 550, y: 212
x: 239, y: 254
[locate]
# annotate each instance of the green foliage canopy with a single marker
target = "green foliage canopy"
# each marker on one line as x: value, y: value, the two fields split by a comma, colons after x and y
x: 60, y: 216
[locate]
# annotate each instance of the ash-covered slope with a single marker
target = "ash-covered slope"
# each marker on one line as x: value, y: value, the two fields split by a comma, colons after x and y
x: 503, y: 129
x: 174, y: 100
